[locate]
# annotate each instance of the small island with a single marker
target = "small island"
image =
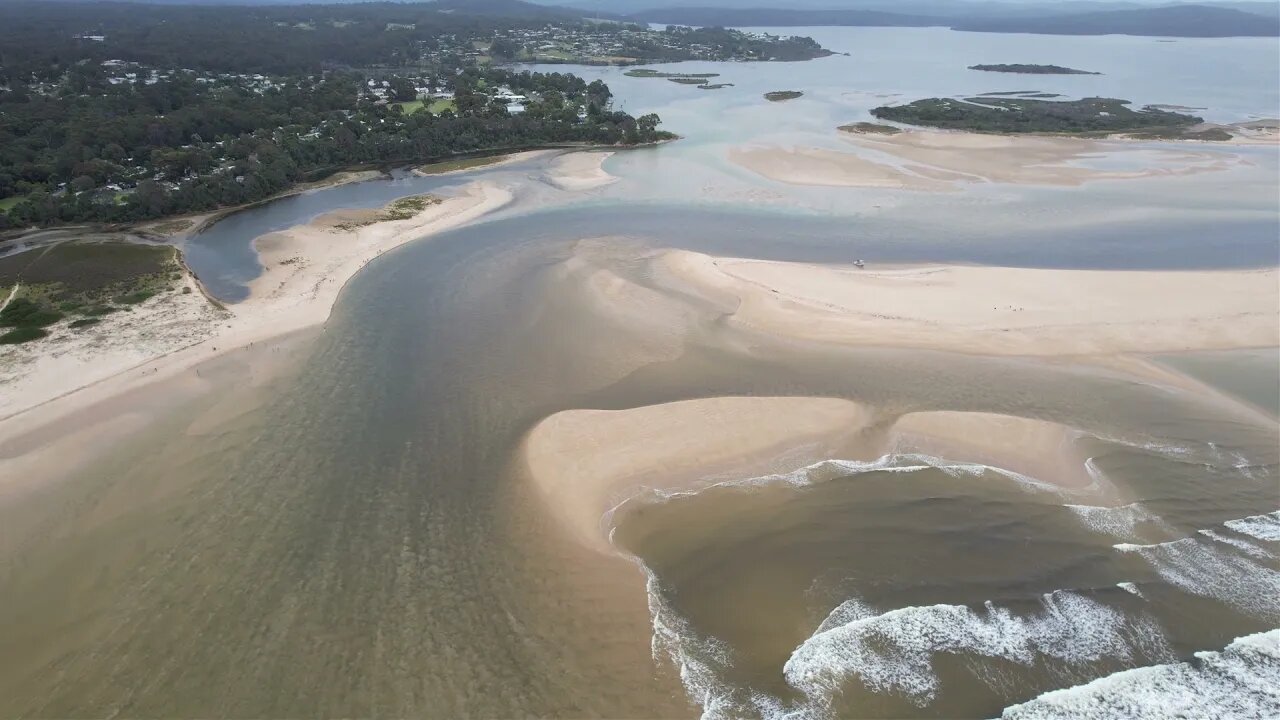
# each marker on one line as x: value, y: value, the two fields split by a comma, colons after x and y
x: 1093, y: 117
x: 687, y: 80
x: 649, y: 73
x: 782, y: 95
x: 1025, y: 69
x: 866, y: 128
x: 715, y: 86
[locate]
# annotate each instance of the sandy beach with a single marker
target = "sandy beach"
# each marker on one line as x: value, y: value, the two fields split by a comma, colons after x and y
x: 942, y: 160
x: 577, y: 171
x: 304, y: 269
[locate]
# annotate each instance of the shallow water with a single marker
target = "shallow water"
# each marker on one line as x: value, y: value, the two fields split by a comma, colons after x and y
x: 355, y: 537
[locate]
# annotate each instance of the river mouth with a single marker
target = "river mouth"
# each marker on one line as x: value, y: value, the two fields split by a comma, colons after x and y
x: 356, y: 532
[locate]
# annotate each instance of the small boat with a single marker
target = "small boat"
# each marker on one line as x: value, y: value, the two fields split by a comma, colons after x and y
x: 858, y: 263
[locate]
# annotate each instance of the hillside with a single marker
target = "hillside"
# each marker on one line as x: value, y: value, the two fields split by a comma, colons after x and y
x: 1176, y: 21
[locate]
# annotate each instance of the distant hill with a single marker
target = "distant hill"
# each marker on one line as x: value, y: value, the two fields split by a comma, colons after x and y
x: 1174, y: 21
x: 777, y: 17
x: 517, y: 9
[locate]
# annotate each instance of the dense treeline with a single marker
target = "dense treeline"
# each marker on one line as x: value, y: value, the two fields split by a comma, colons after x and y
x: 1001, y: 115
x: 40, y: 38
x: 195, y: 148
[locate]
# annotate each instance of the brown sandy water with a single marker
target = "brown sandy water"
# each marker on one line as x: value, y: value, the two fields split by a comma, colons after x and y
x: 359, y: 540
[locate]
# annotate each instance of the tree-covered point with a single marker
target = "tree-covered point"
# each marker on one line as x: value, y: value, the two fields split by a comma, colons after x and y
x: 1017, y: 115
x: 96, y: 151
x: 1024, y: 69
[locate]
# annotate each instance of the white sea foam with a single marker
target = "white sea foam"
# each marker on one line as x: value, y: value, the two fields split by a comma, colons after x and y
x: 893, y: 652
x: 1209, y: 564
x: 1263, y: 527
x: 1242, y: 681
x: 892, y: 463
x: 1129, y: 588
x: 1120, y: 522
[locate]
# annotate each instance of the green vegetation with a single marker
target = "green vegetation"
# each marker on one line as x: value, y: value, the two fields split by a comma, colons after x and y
x: 715, y: 86
x: 110, y: 155
x: 1090, y: 116
x: 25, y: 313
x: 687, y: 80
x: 440, y: 105
x: 871, y: 129
x: 407, y: 207
x: 1024, y: 69
x: 781, y: 95
x: 22, y: 335
x: 8, y: 203
x: 410, y: 107
x: 88, y: 280
x: 83, y: 323
x: 648, y: 73
x: 402, y: 209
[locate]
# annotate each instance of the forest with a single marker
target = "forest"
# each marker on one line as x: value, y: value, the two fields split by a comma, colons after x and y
x: 111, y: 115
x: 1010, y: 115
x: 137, y: 152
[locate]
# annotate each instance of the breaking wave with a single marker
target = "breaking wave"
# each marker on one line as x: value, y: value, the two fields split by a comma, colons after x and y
x: 1215, y: 564
x: 893, y: 652
x: 1242, y: 681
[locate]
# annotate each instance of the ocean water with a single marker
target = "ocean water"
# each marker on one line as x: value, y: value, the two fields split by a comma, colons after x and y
x: 354, y: 535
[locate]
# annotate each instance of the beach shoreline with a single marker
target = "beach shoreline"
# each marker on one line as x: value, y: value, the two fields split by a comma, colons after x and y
x: 305, y: 269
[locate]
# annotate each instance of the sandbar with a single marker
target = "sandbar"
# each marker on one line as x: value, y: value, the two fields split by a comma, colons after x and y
x: 946, y: 160
x: 581, y: 170
x: 991, y: 310
x: 585, y: 464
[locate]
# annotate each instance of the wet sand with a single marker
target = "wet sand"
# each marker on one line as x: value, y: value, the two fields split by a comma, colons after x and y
x: 947, y: 161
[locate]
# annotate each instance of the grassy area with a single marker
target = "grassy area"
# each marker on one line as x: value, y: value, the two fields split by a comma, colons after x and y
x: 871, y: 128
x: 410, y: 107
x: 687, y: 80
x: 460, y: 164
x: 83, y: 280
x: 435, y: 107
x: 8, y: 203
x: 402, y: 209
x: 438, y: 106
x: 781, y: 95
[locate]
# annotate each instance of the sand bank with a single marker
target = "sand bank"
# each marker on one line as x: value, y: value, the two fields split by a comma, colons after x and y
x: 938, y: 160
x: 584, y: 463
x: 582, y: 170
x: 304, y: 269
x: 991, y: 310
x: 461, y: 165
